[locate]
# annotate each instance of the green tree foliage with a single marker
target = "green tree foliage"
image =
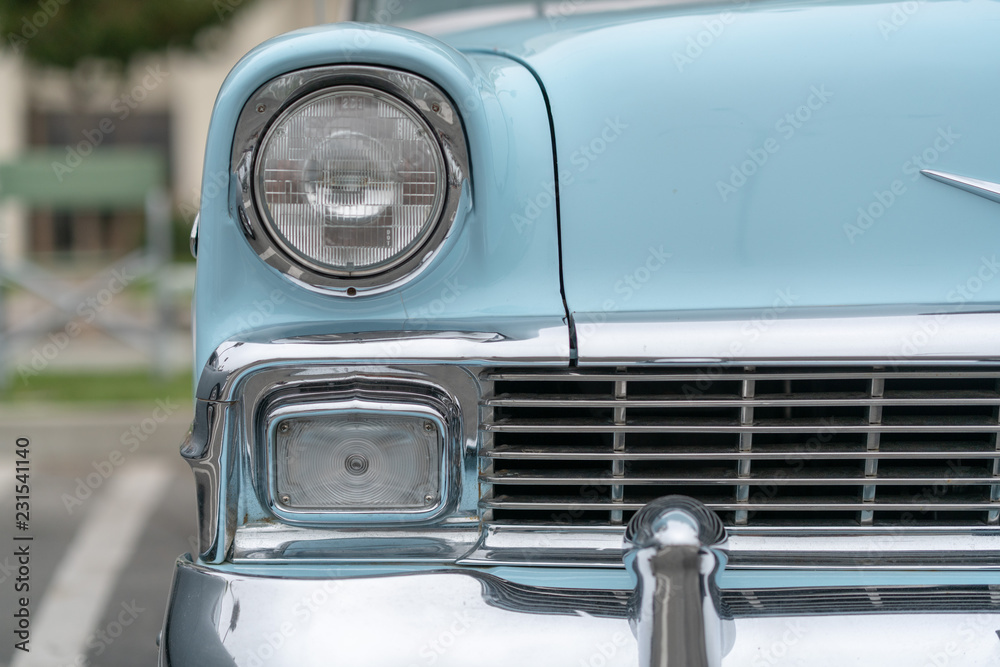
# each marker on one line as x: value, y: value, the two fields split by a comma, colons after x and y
x: 63, y: 32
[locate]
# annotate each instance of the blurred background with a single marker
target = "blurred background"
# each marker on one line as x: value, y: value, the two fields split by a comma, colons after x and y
x: 103, y: 119
x: 104, y: 111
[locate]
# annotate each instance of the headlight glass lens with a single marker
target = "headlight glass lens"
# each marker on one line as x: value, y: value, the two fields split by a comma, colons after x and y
x: 356, y: 461
x: 351, y: 180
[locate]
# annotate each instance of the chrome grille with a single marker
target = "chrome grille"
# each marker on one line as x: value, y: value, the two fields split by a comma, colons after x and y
x: 744, y: 602
x: 776, y: 446
x: 870, y: 600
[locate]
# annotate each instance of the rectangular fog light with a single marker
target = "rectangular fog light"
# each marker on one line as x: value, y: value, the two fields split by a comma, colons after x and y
x: 355, y: 458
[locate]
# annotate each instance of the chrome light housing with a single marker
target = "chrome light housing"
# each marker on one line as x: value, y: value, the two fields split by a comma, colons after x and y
x: 350, y: 176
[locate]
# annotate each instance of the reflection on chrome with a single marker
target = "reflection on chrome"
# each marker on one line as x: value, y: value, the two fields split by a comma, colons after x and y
x: 675, y: 546
x: 452, y: 617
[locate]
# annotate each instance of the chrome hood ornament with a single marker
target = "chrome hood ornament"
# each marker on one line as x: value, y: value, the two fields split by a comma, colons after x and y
x: 676, y: 546
x: 985, y: 189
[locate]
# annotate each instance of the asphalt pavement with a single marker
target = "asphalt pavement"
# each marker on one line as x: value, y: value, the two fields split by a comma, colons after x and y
x: 112, y: 505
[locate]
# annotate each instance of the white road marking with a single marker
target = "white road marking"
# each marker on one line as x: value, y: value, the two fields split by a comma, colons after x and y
x: 82, y: 585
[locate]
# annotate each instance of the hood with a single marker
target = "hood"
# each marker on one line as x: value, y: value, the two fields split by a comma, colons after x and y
x: 755, y: 155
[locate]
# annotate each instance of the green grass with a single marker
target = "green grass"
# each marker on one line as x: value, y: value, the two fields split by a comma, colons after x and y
x: 107, y: 388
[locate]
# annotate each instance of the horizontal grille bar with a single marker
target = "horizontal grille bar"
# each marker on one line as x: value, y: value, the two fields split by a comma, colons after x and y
x: 720, y: 426
x: 882, y: 599
x: 783, y: 446
x: 914, y: 452
x: 541, y: 401
x: 796, y: 505
x: 743, y: 602
x: 722, y: 476
x: 713, y: 374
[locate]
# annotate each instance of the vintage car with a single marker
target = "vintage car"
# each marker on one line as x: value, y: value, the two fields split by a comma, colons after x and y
x: 590, y: 333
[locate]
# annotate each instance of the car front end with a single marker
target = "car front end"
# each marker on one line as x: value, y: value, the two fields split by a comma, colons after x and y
x: 562, y: 343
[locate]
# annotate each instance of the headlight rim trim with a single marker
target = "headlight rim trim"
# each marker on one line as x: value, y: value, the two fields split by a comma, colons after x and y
x: 270, y: 102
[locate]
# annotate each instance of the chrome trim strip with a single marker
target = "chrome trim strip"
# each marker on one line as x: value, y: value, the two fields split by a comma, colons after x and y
x: 984, y: 189
x: 458, y: 616
x: 538, y: 341
x: 193, y: 238
x: 752, y: 548
x: 590, y: 546
x: 211, y: 460
x: 649, y: 426
x: 727, y: 454
x: 773, y: 506
x: 720, y: 373
x: 612, y: 339
x: 541, y: 402
x: 444, y: 542
x: 728, y: 478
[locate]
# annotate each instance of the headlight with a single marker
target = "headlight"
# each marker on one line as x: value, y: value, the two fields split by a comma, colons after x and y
x: 350, y: 181
x: 351, y: 176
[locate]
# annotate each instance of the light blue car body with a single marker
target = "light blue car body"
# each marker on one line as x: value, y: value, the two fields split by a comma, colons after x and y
x: 773, y: 151
x: 684, y: 163
x: 776, y: 162
x: 488, y: 270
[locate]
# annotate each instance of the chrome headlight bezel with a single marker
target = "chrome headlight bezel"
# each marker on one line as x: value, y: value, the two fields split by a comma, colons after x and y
x: 271, y: 102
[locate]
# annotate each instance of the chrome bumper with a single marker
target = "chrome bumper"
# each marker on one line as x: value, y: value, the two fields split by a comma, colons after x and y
x: 464, y: 617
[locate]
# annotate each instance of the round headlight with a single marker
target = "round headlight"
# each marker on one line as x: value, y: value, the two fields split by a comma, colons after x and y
x: 350, y: 181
